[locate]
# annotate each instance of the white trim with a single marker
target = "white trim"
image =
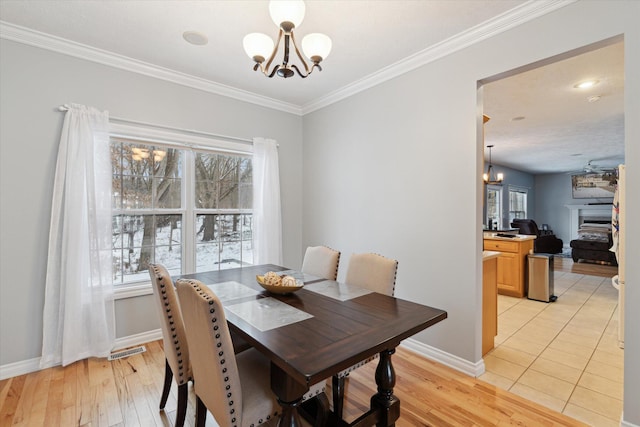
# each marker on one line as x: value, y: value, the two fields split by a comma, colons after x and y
x: 448, y: 359
x: 67, y: 47
x: 11, y: 370
x: 510, y: 19
x: 23, y: 367
x: 185, y: 139
x: 137, y: 339
x: 133, y: 290
x: 624, y: 423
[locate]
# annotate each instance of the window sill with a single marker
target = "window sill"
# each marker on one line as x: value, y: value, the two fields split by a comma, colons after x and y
x: 131, y: 291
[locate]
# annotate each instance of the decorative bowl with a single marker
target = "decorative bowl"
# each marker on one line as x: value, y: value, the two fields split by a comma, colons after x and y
x: 279, y: 289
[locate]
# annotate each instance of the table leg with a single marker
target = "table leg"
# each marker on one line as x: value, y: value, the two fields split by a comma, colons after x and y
x: 384, y: 401
x: 289, y: 393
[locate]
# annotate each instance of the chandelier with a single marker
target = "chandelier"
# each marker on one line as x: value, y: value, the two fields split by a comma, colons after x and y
x: 287, y: 15
x: 491, y: 177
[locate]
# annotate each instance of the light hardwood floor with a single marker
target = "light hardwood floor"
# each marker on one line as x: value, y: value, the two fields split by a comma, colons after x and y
x: 126, y: 392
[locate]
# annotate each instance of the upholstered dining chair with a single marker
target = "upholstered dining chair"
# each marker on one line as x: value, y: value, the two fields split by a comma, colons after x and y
x: 176, y: 350
x: 378, y: 274
x: 321, y: 261
x: 235, y: 388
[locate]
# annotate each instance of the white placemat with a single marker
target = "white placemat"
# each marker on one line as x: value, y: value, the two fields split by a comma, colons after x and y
x: 228, y: 291
x: 299, y: 275
x: 267, y: 313
x: 336, y: 290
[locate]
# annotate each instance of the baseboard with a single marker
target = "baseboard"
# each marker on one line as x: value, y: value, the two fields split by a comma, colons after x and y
x: 32, y: 365
x: 19, y: 368
x: 448, y: 359
x: 137, y: 339
x: 624, y: 423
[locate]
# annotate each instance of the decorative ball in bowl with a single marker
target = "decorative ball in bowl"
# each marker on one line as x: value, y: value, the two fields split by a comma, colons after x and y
x: 276, y: 284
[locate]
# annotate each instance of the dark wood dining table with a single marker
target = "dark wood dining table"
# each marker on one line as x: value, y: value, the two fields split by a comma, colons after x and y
x: 339, y: 335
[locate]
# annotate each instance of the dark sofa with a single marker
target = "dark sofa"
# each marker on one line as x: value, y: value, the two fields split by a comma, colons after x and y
x: 593, y: 243
x: 544, y: 243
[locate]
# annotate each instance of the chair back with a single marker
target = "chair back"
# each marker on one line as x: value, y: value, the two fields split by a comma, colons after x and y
x: 372, y: 271
x: 321, y: 261
x: 526, y: 226
x: 174, y: 338
x: 215, y: 371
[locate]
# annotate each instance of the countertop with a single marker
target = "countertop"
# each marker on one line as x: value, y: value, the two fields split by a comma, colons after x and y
x: 489, y: 254
x: 518, y: 238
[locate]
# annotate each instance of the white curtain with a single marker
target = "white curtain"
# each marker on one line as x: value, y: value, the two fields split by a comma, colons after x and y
x: 267, y: 217
x: 79, y: 319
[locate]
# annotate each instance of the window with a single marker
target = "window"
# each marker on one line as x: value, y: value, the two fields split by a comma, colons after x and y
x: 494, y: 212
x: 517, y: 203
x: 188, y: 210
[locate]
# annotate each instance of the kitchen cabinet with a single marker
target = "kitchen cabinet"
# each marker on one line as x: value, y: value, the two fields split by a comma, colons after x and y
x: 512, y: 262
x: 489, y: 299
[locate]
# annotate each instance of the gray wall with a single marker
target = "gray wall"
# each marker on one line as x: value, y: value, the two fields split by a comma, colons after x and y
x: 553, y: 192
x: 396, y: 170
x: 33, y: 82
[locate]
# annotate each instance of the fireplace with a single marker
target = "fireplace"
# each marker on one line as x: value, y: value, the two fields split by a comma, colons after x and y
x: 587, y: 213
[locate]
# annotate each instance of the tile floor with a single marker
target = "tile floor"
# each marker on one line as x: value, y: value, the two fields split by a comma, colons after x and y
x: 563, y: 355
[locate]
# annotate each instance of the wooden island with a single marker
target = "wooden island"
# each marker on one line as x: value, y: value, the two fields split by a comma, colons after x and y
x: 512, y: 261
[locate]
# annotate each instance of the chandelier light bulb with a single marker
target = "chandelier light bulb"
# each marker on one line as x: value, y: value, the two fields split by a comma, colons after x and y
x: 316, y: 46
x: 287, y: 11
x: 258, y: 46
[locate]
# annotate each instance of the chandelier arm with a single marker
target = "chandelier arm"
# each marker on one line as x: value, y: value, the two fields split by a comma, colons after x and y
x: 295, y: 45
x: 273, y: 72
x: 295, y: 67
x: 273, y: 54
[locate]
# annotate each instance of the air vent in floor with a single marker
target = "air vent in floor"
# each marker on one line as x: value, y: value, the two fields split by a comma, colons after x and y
x: 126, y: 353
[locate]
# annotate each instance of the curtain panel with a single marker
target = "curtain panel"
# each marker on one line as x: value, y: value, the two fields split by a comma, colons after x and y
x: 79, y: 319
x: 267, y: 216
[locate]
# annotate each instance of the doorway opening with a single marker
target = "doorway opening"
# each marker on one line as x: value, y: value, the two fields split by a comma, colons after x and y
x: 545, y: 128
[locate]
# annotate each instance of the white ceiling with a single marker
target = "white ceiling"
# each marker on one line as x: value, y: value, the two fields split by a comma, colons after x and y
x: 371, y: 40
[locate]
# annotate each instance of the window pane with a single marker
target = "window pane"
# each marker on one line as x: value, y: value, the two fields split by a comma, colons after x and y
x: 494, y: 196
x: 206, y: 186
x: 207, y: 256
x: 517, y: 204
x: 136, y: 192
x: 167, y: 174
x: 223, y: 241
x: 228, y: 195
x: 223, y: 181
x: 169, y: 192
x: 168, y: 241
x: 245, y: 196
x: 230, y: 256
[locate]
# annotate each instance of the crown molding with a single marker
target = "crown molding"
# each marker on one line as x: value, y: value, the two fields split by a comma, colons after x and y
x: 510, y: 19
x: 67, y: 47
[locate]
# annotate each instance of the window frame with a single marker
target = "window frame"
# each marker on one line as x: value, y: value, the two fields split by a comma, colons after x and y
x: 499, y: 198
x: 516, y: 189
x: 189, y: 143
